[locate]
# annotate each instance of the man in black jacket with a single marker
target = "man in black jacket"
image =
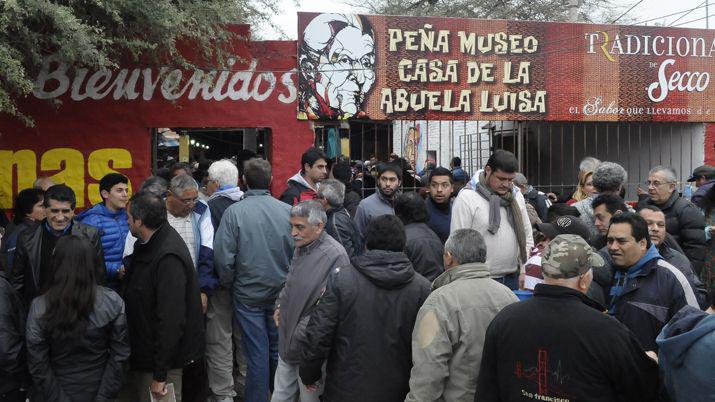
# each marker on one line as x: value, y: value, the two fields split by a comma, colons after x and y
x: 13, y: 371
x: 340, y: 225
x: 646, y: 291
x: 363, y: 323
x: 303, y: 185
x: 683, y: 218
x: 423, y: 247
x: 559, y: 345
x: 32, y: 265
x: 161, y: 292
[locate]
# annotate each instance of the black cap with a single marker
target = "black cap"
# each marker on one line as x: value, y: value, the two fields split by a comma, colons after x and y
x: 566, y: 224
x: 704, y: 170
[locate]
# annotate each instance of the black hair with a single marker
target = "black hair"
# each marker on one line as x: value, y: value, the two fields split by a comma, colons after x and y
x: 456, y: 161
x: 385, y: 232
x: 343, y: 172
x: 639, y: 227
x: 310, y: 156
x: 60, y: 193
x: 177, y: 166
x: 164, y: 173
x: 148, y: 207
x: 503, y: 160
x: 651, y: 208
x: 612, y: 202
x: 72, y: 290
x: 25, y: 202
x: 243, y: 156
x: 441, y: 171
x: 560, y: 209
x: 411, y: 208
x: 200, y: 175
x: 389, y: 167
x: 258, y: 174
x: 110, y: 180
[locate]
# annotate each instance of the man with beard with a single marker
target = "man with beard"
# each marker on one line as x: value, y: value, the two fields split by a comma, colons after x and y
x: 647, y: 291
x: 389, y: 178
x: 499, y: 214
x: 439, y: 202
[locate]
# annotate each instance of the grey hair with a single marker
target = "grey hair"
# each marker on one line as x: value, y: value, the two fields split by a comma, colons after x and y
x: 520, y: 179
x: 588, y: 164
x: 333, y: 191
x: 609, y: 177
x: 155, y: 185
x: 224, y: 172
x: 669, y: 173
x: 181, y: 183
x: 312, y: 210
x: 466, y: 246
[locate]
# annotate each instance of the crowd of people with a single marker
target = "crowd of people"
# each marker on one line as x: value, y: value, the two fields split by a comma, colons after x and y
x: 361, y: 282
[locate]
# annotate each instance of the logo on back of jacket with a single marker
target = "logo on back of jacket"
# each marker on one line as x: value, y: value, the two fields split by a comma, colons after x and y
x: 548, y: 380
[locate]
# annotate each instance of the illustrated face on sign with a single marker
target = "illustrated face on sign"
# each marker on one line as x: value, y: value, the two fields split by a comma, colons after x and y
x: 337, y: 65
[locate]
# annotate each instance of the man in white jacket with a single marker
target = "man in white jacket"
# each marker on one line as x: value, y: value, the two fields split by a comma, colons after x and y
x: 499, y: 214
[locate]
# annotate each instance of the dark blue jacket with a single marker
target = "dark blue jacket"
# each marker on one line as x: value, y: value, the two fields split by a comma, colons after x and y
x: 652, y: 292
x: 686, y: 356
x: 700, y: 193
x: 113, y: 228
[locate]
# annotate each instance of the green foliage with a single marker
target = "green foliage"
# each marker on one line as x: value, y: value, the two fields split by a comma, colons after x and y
x: 100, y: 33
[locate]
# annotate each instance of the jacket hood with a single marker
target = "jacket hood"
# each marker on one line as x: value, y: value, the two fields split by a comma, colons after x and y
x: 386, y: 269
x: 232, y: 193
x: 99, y: 209
x: 299, y: 179
x: 684, y: 329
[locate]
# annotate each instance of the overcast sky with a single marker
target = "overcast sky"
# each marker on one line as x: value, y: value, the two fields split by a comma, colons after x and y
x: 646, y: 10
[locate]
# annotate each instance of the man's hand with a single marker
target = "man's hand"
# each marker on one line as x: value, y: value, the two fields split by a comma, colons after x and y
x: 122, y: 271
x: 640, y: 191
x: 277, y: 316
x: 158, y: 388
x: 313, y: 387
x: 652, y: 355
x: 522, y: 278
x: 204, y: 302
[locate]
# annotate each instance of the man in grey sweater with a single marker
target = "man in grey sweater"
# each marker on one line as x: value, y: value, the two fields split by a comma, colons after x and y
x: 316, y: 255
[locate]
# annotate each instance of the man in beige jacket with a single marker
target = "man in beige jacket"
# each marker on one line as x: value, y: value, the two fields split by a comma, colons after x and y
x: 449, y: 332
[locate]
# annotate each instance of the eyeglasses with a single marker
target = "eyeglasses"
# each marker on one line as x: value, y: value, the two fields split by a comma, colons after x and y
x: 189, y: 201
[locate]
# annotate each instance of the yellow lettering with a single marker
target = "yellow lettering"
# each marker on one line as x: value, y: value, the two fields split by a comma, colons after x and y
x: 71, y: 161
x: 25, y: 161
x: 102, y: 162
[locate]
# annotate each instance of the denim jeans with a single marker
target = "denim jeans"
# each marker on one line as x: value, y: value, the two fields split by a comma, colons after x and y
x: 511, y: 281
x: 260, y: 344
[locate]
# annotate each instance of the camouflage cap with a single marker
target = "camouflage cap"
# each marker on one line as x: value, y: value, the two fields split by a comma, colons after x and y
x: 568, y: 256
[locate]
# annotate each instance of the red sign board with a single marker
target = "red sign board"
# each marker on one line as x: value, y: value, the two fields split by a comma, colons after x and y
x: 384, y: 67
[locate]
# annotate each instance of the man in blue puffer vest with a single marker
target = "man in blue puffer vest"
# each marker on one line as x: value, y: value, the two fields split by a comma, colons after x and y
x: 109, y: 217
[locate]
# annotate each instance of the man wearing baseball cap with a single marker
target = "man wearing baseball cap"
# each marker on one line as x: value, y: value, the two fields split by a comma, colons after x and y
x: 560, y: 345
x: 704, y: 178
x: 562, y: 225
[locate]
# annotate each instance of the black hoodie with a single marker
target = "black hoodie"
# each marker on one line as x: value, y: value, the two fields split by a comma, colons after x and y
x: 363, y: 326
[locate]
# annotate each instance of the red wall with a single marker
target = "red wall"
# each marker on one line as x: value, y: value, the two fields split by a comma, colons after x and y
x: 81, y: 140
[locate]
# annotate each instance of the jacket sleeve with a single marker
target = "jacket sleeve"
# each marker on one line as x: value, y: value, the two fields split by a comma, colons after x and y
x: 319, y: 332
x: 361, y: 221
x: 12, y: 331
x: 118, y: 353
x: 431, y: 352
x: 20, y: 264
x: 527, y: 227
x: 38, y: 359
x: 289, y: 196
x: 207, y: 278
x: 226, y: 248
x: 99, y: 258
x: 352, y: 200
x: 488, y: 380
x: 170, y: 313
x: 692, y: 236
x: 345, y: 235
x: 633, y: 374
